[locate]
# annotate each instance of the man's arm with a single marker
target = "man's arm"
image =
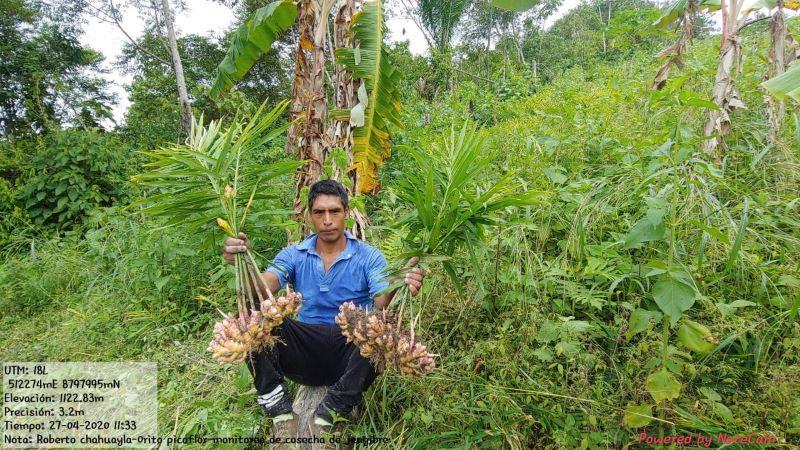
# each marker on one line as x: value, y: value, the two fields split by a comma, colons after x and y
x: 272, y: 281
x: 413, y: 279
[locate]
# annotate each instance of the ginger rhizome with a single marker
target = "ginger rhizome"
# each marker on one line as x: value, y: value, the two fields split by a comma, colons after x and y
x: 380, y: 338
x: 250, y: 330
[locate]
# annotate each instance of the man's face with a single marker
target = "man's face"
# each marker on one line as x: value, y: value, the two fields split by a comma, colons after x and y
x: 328, y: 215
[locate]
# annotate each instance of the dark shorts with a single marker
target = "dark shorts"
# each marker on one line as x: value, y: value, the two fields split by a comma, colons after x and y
x: 314, y: 355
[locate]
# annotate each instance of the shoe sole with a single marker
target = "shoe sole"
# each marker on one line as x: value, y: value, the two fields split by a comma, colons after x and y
x: 282, y: 417
x: 322, y: 422
x: 286, y: 428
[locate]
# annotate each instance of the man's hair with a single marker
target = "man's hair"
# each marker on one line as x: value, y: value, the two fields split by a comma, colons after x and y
x: 327, y: 187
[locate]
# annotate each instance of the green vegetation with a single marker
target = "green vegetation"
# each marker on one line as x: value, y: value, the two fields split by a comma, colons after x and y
x: 649, y: 288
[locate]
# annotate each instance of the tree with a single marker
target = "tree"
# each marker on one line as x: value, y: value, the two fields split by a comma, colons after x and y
x: 177, y: 65
x: 586, y: 35
x: 436, y: 19
x: 49, y: 80
x: 108, y: 11
x: 365, y: 90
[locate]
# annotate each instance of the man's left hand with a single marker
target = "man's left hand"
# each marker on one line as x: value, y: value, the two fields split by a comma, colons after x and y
x: 414, y: 277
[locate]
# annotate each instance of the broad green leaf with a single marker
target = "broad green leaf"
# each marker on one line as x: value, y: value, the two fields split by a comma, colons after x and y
x: 639, y: 320
x: 742, y: 303
x: 662, y: 385
x: 758, y: 4
x: 677, y: 9
x: 693, y: 339
x: 555, y: 174
x: 672, y: 13
x: 786, y: 84
x: 643, y: 231
x: 544, y: 354
x: 730, y: 308
x: 710, y: 394
x: 723, y: 412
x: 548, y: 332
x: 715, y: 232
x: 710, y: 5
x: 673, y: 298
x: 253, y: 38
x: 162, y: 281
x: 576, y: 326
x: 638, y: 416
x: 656, y: 207
x: 567, y: 348
x: 362, y: 95
x: 370, y: 63
x: 788, y: 281
x: 691, y: 99
x: 515, y: 5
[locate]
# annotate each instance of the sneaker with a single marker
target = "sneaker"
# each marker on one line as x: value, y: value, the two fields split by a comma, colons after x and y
x: 325, y: 416
x: 277, y: 404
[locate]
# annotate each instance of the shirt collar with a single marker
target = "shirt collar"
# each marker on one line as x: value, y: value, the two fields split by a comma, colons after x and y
x: 310, y: 243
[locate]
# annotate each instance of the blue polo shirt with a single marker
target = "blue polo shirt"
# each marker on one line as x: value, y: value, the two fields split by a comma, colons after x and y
x: 355, y: 275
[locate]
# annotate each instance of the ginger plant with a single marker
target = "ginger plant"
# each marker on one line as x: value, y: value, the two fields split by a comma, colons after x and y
x: 205, y: 181
x: 451, y: 203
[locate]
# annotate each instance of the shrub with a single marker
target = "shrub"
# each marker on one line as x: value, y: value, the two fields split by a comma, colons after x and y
x: 71, y: 173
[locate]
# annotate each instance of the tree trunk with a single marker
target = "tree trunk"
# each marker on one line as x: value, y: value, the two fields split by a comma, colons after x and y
x: 776, y: 62
x: 345, y: 97
x: 306, y: 400
x: 725, y: 96
x: 305, y: 403
x: 306, y: 136
x: 183, y: 95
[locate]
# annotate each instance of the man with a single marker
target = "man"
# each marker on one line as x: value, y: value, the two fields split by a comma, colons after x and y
x: 328, y: 268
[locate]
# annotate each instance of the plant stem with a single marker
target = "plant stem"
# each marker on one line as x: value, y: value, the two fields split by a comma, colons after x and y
x: 260, y: 276
x: 254, y: 274
x: 238, y: 286
x: 247, y: 288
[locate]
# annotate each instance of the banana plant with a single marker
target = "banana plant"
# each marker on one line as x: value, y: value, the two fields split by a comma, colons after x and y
x: 366, y: 98
x: 786, y: 84
x: 784, y: 80
x: 734, y: 17
x: 378, y: 95
x: 684, y: 13
x: 781, y: 54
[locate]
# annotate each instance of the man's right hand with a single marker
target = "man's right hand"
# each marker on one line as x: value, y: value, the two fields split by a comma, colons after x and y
x: 232, y: 246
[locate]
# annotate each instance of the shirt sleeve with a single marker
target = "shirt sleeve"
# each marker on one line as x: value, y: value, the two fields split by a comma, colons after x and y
x: 283, y: 266
x: 377, y: 278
